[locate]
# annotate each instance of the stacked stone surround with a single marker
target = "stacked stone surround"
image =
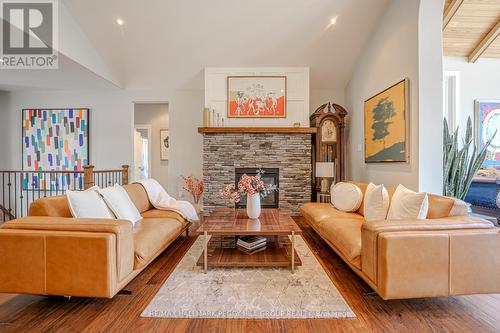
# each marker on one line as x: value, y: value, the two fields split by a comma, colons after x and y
x: 291, y: 153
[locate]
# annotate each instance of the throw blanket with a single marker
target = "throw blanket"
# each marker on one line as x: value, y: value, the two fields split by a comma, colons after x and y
x: 160, y: 199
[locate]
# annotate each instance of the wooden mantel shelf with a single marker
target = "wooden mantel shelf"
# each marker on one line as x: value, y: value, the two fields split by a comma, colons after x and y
x: 281, y: 130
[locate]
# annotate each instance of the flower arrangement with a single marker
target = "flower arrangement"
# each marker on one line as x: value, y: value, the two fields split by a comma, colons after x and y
x: 194, y: 187
x: 248, y: 185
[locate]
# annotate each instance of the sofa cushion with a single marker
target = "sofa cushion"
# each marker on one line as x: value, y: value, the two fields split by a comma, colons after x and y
x: 88, y: 204
x: 139, y: 197
x: 120, y: 204
x: 56, y: 206
x: 151, y: 236
x: 346, y: 197
x: 315, y: 213
x: 160, y: 213
x: 362, y: 187
x: 344, y: 234
x: 441, y: 206
x: 375, y: 202
x: 407, y: 204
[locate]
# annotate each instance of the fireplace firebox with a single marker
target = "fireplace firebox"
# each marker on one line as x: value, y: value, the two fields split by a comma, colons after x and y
x: 270, y: 176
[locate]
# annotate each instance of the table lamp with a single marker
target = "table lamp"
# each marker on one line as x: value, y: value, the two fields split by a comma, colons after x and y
x: 325, y: 170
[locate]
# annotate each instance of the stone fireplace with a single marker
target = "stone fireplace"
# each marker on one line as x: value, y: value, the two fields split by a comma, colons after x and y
x: 287, y: 152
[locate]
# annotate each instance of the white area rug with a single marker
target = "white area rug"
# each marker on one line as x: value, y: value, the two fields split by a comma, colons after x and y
x: 248, y: 292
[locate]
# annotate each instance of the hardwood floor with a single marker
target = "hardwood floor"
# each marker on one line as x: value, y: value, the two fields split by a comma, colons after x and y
x: 25, y: 313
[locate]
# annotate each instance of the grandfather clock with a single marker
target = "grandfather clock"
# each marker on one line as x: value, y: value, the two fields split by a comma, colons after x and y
x: 328, y: 144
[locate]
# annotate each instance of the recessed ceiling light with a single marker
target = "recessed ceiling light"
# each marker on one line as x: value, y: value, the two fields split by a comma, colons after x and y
x: 119, y: 21
x: 333, y: 20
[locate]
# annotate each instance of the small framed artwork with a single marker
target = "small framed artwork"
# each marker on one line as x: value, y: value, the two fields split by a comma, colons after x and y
x: 164, y: 144
x: 487, y: 121
x: 387, y: 125
x: 256, y: 96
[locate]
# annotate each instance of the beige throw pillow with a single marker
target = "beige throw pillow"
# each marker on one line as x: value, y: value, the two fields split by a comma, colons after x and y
x: 88, y: 204
x: 346, y: 197
x: 376, y: 203
x: 120, y: 203
x: 407, y: 204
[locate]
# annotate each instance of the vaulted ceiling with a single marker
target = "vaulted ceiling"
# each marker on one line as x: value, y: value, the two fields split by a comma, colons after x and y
x: 168, y: 43
x: 471, y: 28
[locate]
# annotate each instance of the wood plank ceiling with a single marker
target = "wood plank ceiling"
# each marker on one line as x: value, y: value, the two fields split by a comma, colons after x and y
x: 471, y: 29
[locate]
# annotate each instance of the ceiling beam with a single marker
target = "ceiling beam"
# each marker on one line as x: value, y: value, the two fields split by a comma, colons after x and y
x: 450, y: 11
x: 485, y: 43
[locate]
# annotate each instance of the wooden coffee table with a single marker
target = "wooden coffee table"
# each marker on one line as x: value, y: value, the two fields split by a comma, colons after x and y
x: 273, y: 223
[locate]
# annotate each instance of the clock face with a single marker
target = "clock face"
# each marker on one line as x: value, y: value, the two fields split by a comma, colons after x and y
x: 328, y: 131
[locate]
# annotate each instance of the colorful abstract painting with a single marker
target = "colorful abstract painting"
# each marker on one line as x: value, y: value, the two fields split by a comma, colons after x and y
x: 487, y: 121
x: 386, y: 125
x: 256, y: 96
x: 55, y: 139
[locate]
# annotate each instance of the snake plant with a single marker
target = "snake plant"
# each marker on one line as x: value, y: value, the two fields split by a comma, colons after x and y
x: 459, y: 164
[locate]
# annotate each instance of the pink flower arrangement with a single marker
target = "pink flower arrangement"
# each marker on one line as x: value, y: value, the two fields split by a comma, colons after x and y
x: 194, y: 187
x: 248, y: 185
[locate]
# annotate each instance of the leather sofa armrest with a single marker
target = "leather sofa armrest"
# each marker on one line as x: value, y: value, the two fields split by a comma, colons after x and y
x: 446, y: 223
x: 118, y: 235
x: 372, y: 231
x: 117, y: 227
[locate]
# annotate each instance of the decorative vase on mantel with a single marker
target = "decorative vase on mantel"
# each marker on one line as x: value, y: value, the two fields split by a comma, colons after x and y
x: 253, y: 205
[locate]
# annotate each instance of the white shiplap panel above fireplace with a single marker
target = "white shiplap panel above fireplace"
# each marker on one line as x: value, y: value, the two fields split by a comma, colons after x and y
x: 297, y: 94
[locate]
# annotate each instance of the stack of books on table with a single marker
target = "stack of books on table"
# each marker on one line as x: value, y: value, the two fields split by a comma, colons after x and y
x: 251, y: 244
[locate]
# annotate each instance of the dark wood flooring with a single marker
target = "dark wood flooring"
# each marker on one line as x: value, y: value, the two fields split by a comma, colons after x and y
x: 25, y: 313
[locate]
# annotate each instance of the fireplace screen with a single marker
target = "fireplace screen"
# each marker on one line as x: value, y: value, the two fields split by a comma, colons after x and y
x: 270, y: 176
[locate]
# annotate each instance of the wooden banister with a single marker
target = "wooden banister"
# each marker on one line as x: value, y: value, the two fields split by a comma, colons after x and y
x: 88, y: 176
x: 125, y: 174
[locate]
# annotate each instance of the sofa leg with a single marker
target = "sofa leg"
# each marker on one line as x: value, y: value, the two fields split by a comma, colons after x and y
x: 370, y: 293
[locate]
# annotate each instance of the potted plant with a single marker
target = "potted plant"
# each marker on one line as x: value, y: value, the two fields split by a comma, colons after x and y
x: 254, y: 188
x: 460, y: 165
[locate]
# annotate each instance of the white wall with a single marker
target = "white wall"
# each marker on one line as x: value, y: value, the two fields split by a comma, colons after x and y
x: 186, y: 115
x: 111, y: 125
x: 480, y: 80
x: 319, y: 97
x: 430, y: 71
x: 297, y: 94
x: 406, y: 43
x: 390, y: 56
x: 156, y: 115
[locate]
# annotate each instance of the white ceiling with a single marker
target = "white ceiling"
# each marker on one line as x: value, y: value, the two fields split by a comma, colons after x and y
x: 168, y: 43
x: 165, y: 44
x: 69, y: 75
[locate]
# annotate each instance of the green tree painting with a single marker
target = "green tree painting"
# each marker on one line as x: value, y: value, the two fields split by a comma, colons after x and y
x: 381, y: 116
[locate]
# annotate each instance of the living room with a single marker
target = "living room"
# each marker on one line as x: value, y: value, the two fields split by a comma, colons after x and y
x: 226, y: 166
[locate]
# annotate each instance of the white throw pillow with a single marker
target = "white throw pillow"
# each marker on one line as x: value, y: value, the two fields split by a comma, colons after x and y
x: 346, y: 197
x: 88, y: 204
x: 406, y: 204
x: 376, y: 203
x: 120, y: 203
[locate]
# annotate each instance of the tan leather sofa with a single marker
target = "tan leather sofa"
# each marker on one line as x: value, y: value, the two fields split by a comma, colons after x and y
x: 449, y: 253
x: 51, y: 253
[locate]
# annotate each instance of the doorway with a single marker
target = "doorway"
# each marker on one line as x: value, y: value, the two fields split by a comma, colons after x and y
x: 142, y: 151
x: 151, y: 124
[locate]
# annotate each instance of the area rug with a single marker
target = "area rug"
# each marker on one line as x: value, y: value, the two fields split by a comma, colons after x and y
x: 248, y: 292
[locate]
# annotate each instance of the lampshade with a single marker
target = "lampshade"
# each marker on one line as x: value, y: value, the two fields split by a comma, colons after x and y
x: 325, y: 169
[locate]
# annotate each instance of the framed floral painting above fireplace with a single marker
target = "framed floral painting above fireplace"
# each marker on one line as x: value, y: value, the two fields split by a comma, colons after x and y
x: 256, y: 96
